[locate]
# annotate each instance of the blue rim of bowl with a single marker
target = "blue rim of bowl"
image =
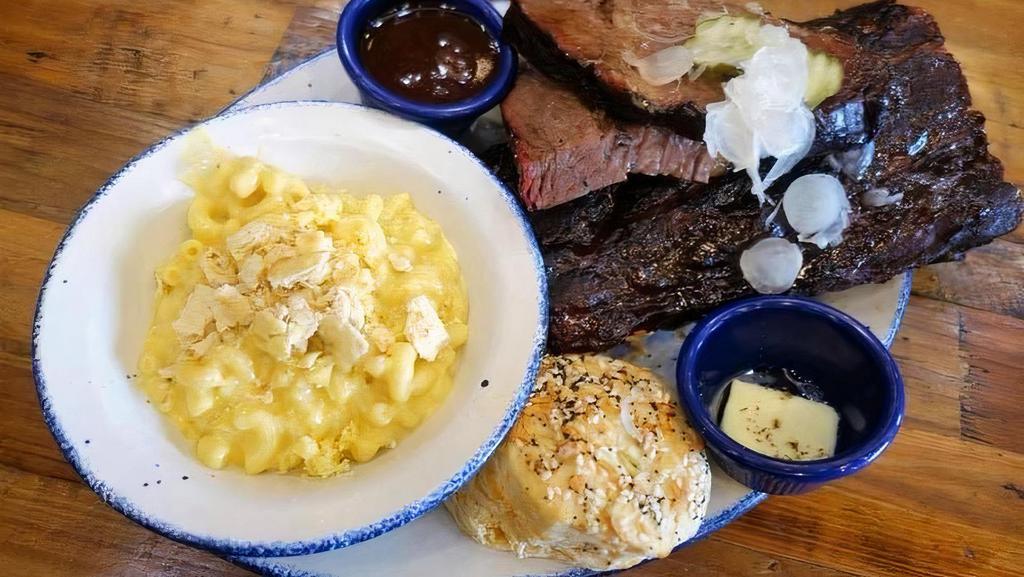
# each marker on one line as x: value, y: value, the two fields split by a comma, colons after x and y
x: 820, y: 470
x: 346, y: 37
x: 234, y: 547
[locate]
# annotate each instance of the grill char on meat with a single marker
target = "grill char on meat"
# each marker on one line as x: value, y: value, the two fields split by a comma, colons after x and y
x: 565, y: 149
x: 655, y: 252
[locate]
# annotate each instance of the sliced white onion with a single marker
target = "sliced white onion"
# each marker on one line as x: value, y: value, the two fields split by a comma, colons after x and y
x: 880, y: 197
x: 784, y: 132
x: 831, y: 235
x: 770, y: 35
x: 729, y: 135
x: 813, y: 202
x: 626, y: 417
x: 764, y: 114
x: 817, y: 208
x: 697, y: 70
x: 662, y: 67
x: 775, y: 77
x: 771, y: 265
x: 855, y: 161
x: 790, y: 143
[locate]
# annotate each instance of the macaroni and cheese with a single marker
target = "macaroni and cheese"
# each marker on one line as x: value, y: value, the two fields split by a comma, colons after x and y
x: 301, y: 328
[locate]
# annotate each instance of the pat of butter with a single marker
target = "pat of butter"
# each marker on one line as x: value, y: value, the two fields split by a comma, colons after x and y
x: 778, y: 424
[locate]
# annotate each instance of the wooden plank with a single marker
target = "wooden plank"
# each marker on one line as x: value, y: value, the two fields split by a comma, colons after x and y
x: 25, y: 442
x: 990, y: 278
x: 1016, y: 236
x: 27, y: 247
x: 310, y: 32
x: 956, y: 479
x: 718, y: 558
x: 161, y: 57
x: 56, y: 153
x: 993, y: 97
x: 927, y: 348
x: 993, y: 402
x: 877, y: 532
x: 55, y: 528
x: 963, y: 371
x: 968, y: 25
x: 1004, y: 142
x: 867, y: 537
x: 137, y: 79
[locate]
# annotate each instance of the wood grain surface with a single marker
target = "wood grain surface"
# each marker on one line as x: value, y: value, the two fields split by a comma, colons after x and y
x: 84, y: 85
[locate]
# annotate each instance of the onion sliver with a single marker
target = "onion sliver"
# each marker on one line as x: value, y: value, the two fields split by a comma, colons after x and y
x: 880, y: 197
x: 729, y: 135
x: 626, y: 417
x: 771, y: 265
x: 764, y: 114
x: 662, y: 67
x: 817, y: 208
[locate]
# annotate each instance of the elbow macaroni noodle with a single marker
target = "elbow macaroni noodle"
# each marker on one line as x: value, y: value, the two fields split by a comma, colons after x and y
x: 284, y: 335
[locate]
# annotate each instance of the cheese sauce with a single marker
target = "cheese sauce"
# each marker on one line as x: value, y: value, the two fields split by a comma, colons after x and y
x: 428, y: 52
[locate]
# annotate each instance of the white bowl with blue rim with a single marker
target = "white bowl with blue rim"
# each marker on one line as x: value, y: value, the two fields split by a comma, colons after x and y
x: 96, y: 304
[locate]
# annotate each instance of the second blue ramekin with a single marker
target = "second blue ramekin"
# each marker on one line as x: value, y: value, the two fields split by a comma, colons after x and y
x: 452, y: 118
x: 816, y: 340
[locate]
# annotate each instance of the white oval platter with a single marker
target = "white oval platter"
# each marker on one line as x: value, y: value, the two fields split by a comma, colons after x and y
x: 432, y: 546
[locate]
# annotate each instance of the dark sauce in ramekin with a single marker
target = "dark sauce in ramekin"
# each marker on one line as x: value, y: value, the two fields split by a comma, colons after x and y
x: 429, y: 52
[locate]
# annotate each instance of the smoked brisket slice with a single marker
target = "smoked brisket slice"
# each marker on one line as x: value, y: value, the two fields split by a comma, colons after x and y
x: 581, y: 42
x: 655, y: 252
x: 565, y: 149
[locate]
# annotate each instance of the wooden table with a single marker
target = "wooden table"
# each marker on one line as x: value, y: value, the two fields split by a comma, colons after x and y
x: 84, y: 85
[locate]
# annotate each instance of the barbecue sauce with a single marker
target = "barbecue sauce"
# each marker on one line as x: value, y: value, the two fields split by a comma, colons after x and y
x: 429, y: 52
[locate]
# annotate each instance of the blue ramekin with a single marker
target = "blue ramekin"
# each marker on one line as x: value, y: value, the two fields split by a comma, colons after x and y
x: 828, y: 346
x: 452, y: 118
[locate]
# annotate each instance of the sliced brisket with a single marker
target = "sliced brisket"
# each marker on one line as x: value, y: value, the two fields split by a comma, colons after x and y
x: 581, y: 42
x: 654, y: 252
x: 565, y: 149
